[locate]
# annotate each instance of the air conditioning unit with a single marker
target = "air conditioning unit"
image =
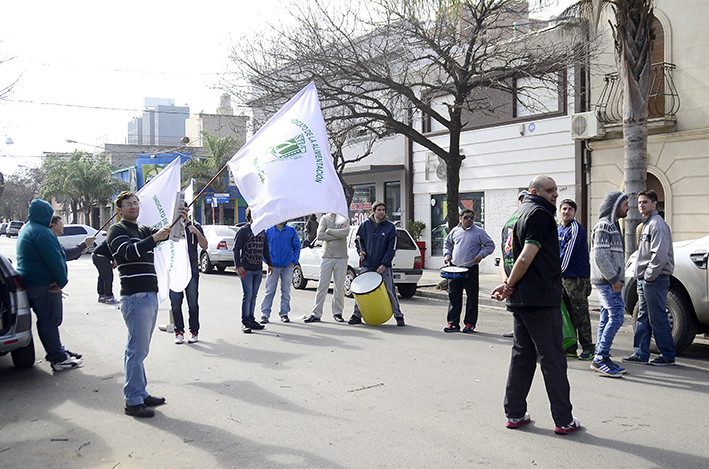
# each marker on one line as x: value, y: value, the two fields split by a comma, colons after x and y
x: 586, y: 125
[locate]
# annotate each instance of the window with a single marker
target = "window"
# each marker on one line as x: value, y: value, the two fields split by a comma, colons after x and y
x: 364, y: 197
x: 439, y: 210
x: 535, y: 96
x: 392, y: 191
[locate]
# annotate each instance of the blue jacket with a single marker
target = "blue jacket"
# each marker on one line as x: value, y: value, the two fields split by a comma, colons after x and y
x: 283, y: 245
x: 378, y: 242
x: 574, y: 251
x: 40, y: 258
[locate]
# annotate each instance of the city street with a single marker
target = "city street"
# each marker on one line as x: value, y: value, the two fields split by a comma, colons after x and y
x: 331, y: 395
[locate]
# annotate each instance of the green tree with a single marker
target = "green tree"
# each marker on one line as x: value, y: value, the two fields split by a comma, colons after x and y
x: 219, y: 152
x: 21, y: 188
x: 83, y: 180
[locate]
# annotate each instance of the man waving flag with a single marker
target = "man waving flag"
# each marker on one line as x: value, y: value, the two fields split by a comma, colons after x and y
x: 286, y: 171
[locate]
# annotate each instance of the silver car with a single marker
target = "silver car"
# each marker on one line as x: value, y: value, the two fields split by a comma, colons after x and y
x: 219, y: 253
x: 688, y: 296
x: 15, y: 317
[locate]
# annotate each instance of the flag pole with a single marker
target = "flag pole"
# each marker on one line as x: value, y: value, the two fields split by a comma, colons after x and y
x: 202, y: 191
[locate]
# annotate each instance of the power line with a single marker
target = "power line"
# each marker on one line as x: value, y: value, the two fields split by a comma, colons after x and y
x: 120, y: 70
x: 100, y: 108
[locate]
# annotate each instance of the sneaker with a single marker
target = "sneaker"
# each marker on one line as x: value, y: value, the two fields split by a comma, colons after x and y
x: 605, y: 367
x: 179, y: 338
x: 245, y: 329
x: 617, y: 366
x: 139, y: 411
x: 312, y: 318
x: 469, y: 329
x: 662, y: 361
x: 152, y: 401
x: 571, y: 355
x: 256, y: 326
x: 400, y: 321
x: 285, y: 319
x: 508, y: 334
x: 586, y: 355
x: 355, y: 320
x: 73, y: 355
x: 112, y: 301
x: 566, y: 429
x: 67, y: 364
x: 338, y: 318
x: 193, y: 338
x: 516, y: 423
x: 452, y: 328
x: 264, y: 320
x: 101, y: 299
x: 634, y: 359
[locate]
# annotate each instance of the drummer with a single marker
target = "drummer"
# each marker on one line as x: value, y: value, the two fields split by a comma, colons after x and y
x: 376, y: 244
x: 465, y: 246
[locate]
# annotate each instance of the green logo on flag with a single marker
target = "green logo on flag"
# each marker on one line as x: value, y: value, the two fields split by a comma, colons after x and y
x: 291, y: 149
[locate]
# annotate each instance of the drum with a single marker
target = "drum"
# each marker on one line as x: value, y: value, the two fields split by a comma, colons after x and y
x: 454, y: 272
x: 372, y: 298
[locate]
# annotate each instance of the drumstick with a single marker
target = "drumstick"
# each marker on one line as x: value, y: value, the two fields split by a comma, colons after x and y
x: 465, y: 263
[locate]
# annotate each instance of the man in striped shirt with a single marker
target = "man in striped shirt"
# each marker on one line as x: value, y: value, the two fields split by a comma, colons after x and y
x: 575, y: 273
x: 132, y: 248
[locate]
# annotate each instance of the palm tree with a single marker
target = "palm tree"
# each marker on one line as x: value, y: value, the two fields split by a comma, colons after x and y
x: 633, y: 35
x: 219, y: 152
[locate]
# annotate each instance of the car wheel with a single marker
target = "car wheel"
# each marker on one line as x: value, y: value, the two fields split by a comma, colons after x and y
x: 24, y: 357
x: 682, y: 320
x: 299, y: 282
x: 204, y: 264
x: 349, y: 277
x: 406, y: 290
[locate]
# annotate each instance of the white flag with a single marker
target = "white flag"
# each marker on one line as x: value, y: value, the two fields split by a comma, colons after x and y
x: 286, y: 171
x: 189, y: 196
x: 157, y: 200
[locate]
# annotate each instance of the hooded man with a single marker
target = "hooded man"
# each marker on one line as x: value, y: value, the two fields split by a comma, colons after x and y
x: 608, y: 275
x: 376, y: 246
x: 42, y: 265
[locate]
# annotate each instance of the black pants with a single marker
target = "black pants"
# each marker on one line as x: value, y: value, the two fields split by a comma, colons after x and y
x: 537, y: 334
x: 104, y: 286
x: 455, y: 296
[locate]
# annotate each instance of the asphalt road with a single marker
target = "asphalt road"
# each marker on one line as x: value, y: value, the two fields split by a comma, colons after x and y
x: 332, y: 395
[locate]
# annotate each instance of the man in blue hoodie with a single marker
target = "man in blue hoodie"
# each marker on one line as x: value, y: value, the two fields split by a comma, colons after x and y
x: 42, y: 265
x: 284, y: 248
x: 377, y: 246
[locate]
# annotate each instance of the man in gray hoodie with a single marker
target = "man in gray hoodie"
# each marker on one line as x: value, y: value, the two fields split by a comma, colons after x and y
x: 607, y: 274
x: 653, y: 268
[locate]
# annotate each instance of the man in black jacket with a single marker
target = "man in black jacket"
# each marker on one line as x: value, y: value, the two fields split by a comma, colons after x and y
x: 132, y: 248
x: 533, y: 292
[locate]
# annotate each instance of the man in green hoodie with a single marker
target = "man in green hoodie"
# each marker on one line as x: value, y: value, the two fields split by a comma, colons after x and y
x: 42, y: 265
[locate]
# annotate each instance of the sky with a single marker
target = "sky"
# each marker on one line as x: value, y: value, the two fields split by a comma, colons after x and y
x: 84, y: 67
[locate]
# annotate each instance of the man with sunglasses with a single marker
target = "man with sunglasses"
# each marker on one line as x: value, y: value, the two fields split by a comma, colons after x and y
x: 465, y: 246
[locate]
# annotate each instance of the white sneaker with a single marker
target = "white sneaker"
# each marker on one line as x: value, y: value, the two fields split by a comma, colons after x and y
x: 193, y: 338
x: 68, y: 364
x: 179, y: 338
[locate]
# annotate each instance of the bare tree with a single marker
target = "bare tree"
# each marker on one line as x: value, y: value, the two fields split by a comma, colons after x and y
x: 386, y: 67
x: 21, y: 188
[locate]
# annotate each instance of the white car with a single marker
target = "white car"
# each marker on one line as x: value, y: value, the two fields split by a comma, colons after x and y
x: 75, y: 234
x: 407, y: 265
x: 219, y: 253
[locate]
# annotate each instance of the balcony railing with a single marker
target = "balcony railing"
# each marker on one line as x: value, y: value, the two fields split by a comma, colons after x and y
x: 664, y: 100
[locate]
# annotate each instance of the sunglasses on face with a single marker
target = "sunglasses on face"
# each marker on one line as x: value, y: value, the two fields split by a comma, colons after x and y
x: 468, y: 217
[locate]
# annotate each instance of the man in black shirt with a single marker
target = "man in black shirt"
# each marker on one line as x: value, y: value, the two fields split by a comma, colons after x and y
x: 532, y: 288
x: 132, y: 248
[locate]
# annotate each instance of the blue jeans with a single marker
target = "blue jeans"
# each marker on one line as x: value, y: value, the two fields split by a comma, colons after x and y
x: 286, y: 276
x: 48, y: 308
x: 612, y: 310
x: 249, y: 283
x: 140, y: 313
x: 652, y: 319
x: 192, y: 292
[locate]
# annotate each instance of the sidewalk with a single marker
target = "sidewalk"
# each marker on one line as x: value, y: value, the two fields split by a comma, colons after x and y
x: 427, y: 288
